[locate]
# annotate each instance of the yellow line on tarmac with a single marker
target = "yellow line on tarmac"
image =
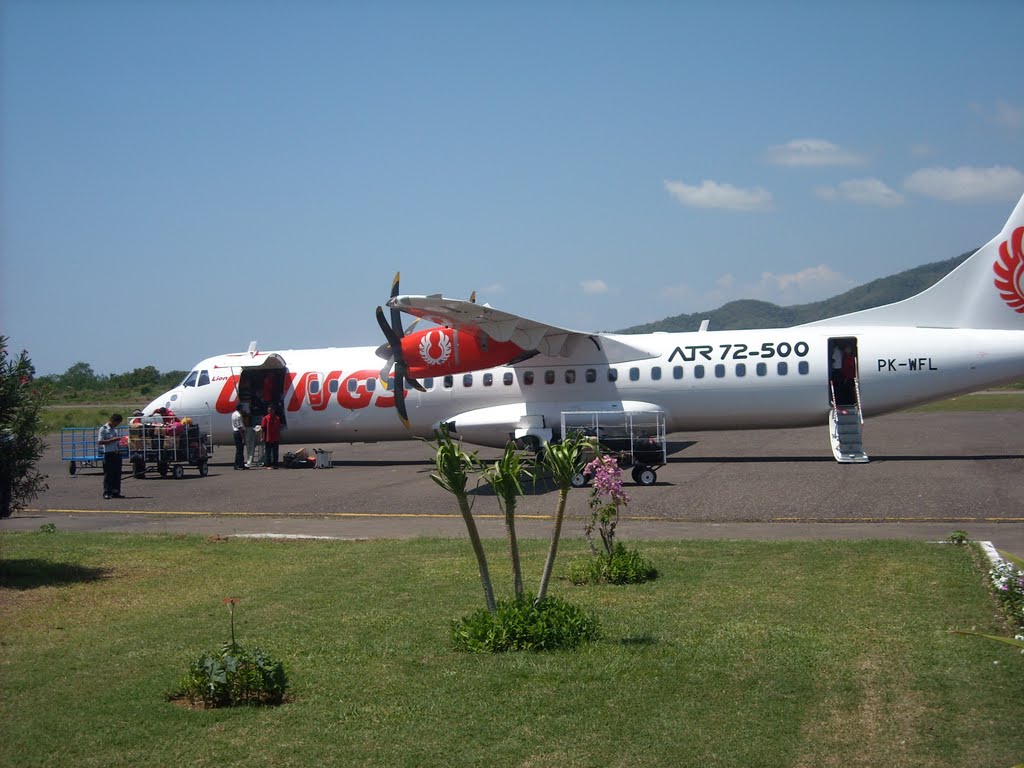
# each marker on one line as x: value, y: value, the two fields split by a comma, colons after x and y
x: 186, y: 513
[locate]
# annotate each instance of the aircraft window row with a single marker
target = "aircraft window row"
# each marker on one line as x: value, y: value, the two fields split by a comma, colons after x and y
x: 719, y: 371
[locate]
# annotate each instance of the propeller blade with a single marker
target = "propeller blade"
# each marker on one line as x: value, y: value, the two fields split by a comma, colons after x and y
x: 396, y: 316
x: 393, y: 340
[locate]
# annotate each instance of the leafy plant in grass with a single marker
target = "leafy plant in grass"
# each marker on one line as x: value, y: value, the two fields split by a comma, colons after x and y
x: 525, y: 624
x: 504, y: 478
x: 452, y: 467
x: 613, y: 564
x: 564, y: 460
x: 234, y: 676
x: 1007, y: 577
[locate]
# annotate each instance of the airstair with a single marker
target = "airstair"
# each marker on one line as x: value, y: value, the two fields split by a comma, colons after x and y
x: 845, y: 423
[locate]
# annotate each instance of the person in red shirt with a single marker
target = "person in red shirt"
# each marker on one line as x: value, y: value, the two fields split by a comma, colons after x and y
x: 271, y: 426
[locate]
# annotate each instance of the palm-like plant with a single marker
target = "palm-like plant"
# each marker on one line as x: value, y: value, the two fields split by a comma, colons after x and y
x: 564, y: 460
x: 504, y: 477
x: 452, y: 467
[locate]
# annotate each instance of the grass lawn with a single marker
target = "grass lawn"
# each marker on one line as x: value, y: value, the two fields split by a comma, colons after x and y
x: 740, y: 654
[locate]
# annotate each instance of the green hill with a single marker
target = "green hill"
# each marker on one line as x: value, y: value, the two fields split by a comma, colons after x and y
x: 748, y: 313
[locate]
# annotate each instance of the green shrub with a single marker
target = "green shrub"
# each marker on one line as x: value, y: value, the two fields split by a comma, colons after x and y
x: 234, y: 677
x: 623, y: 566
x: 520, y: 624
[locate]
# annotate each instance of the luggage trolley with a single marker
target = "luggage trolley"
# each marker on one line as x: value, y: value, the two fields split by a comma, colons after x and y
x: 167, y: 448
x: 635, y: 438
x: 78, y: 447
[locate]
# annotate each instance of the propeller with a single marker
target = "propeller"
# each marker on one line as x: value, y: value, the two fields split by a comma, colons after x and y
x: 392, y: 352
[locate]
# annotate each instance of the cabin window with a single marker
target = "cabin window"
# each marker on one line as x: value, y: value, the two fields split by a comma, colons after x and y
x: 506, y: 379
x: 719, y: 371
x: 371, y: 384
x: 634, y: 374
x: 528, y: 378
x: 352, y: 384
x: 803, y: 368
x: 741, y: 369
x: 549, y: 377
x: 762, y: 369
x: 698, y: 371
x: 613, y: 374
x: 449, y: 381
x: 428, y: 383
x: 204, y: 378
x: 783, y: 369
x: 656, y: 373
x: 390, y: 386
x: 677, y: 372
x: 334, y: 386
x: 190, y: 380
x: 570, y: 376
x: 467, y: 379
x: 488, y: 379
x: 314, y: 385
x: 590, y: 375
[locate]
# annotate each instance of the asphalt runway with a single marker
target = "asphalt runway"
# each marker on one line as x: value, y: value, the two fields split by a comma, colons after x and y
x: 930, y: 474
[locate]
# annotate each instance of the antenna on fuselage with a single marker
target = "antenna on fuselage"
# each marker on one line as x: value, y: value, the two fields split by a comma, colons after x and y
x: 704, y: 325
x: 252, y: 348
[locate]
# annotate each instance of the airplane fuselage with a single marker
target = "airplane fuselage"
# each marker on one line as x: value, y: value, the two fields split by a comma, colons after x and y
x: 711, y: 380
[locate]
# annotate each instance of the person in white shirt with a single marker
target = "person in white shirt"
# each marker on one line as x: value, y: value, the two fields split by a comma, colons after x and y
x: 238, y: 430
x: 110, y: 442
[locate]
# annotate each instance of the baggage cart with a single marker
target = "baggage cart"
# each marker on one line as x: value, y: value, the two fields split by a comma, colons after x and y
x: 78, y: 447
x: 635, y: 438
x: 167, y: 447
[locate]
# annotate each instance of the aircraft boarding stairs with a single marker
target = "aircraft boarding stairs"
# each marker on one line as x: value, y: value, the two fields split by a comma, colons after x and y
x: 845, y: 424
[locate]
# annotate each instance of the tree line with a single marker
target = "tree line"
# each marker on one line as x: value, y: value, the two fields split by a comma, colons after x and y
x: 81, y: 378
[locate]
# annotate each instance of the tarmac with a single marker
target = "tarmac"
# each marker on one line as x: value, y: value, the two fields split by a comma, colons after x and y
x: 931, y: 474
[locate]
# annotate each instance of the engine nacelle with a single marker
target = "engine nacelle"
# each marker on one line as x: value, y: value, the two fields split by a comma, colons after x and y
x: 444, y: 351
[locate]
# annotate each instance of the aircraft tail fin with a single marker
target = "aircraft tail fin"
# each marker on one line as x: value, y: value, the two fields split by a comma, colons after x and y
x: 985, y: 291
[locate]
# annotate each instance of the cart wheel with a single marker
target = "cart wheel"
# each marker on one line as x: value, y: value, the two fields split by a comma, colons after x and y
x: 645, y: 476
x: 72, y: 468
x: 635, y: 474
x: 204, y: 469
x: 162, y: 468
x: 138, y: 468
x: 579, y: 480
x: 179, y: 471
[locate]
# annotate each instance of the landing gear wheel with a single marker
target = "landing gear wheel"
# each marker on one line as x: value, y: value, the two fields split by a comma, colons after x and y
x: 578, y: 481
x: 162, y: 468
x: 179, y: 471
x: 72, y: 468
x: 204, y: 469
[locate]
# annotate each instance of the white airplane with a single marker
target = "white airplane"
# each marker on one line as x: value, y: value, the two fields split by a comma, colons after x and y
x: 492, y: 376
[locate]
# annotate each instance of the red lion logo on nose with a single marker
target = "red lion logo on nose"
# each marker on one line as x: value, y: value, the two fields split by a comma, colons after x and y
x: 1009, y: 270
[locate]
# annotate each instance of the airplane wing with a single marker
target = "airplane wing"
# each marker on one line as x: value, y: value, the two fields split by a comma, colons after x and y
x: 482, y: 320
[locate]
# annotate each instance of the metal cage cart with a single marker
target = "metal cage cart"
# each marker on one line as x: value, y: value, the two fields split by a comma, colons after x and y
x: 167, y: 448
x: 78, y: 447
x: 635, y: 438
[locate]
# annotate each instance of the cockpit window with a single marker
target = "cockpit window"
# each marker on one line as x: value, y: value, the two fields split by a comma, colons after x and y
x: 204, y: 378
x: 190, y: 380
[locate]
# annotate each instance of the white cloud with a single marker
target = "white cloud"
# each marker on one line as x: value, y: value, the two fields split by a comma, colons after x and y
x: 807, y: 285
x: 811, y: 152
x: 862, y: 191
x: 711, y: 194
x: 594, y: 287
x: 1002, y: 113
x: 966, y: 184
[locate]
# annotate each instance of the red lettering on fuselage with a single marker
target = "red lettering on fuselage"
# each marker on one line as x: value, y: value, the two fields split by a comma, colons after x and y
x: 297, y: 391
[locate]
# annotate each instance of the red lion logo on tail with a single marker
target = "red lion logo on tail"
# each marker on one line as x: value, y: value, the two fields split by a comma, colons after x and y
x: 1009, y: 270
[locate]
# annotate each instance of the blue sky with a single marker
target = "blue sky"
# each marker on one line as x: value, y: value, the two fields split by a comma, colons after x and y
x: 178, y: 178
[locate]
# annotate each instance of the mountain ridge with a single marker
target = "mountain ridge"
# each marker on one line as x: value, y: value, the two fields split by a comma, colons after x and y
x: 751, y: 313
